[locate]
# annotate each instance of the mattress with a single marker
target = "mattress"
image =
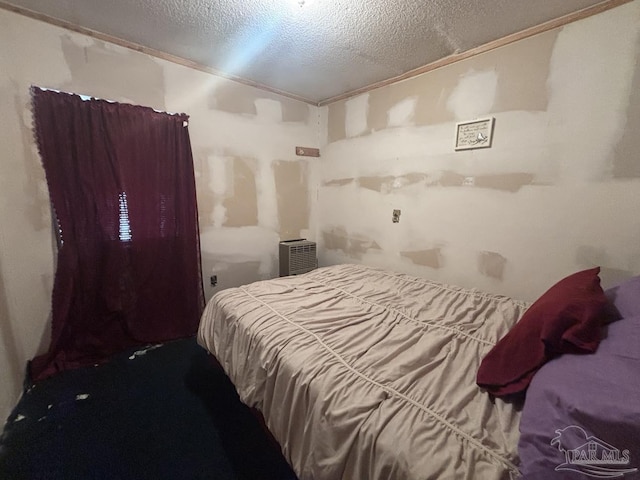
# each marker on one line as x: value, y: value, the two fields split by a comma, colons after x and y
x: 362, y: 373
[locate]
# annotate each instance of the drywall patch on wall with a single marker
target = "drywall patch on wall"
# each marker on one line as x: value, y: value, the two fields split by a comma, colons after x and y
x: 491, y: 264
x: 410, y: 179
x: 434, y: 89
x: 294, y: 111
x: 269, y: 111
x: 214, y: 174
x: 241, y: 203
x: 402, y: 113
x: 220, y: 177
x: 293, y: 197
x: 336, y: 118
x: 427, y: 258
x: 450, y: 179
x: 232, y: 97
x: 625, y: 154
x: 507, y: 182
x: 336, y: 239
x: 388, y: 183
x: 589, y: 92
x: 428, y: 93
x: 96, y: 67
x: 377, y: 184
x: 522, y: 85
x: 38, y: 209
x: 353, y: 246
x: 338, y: 182
x: 240, y: 99
x: 206, y: 199
x: 30, y: 51
x: 267, y: 196
x: 474, y: 94
x: 357, y: 111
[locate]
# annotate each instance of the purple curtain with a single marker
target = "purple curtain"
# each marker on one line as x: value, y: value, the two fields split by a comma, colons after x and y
x: 123, y: 192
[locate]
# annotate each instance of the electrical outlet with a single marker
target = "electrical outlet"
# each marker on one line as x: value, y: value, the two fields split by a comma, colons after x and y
x: 395, y: 218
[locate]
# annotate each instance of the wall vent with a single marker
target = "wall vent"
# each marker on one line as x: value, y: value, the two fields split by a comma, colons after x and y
x: 297, y: 256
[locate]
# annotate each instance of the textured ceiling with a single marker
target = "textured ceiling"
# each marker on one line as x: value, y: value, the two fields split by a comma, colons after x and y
x: 317, y: 51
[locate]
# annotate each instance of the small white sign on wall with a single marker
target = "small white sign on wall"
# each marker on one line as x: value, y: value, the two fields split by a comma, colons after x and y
x: 474, y: 134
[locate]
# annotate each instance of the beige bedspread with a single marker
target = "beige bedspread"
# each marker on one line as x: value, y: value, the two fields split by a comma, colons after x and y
x: 364, y: 374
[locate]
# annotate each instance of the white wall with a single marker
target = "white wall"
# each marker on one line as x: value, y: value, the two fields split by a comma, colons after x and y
x: 243, y: 143
x: 557, y: 192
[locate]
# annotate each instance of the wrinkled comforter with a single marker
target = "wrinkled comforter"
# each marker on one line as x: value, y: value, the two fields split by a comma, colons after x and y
x: 365, y: 374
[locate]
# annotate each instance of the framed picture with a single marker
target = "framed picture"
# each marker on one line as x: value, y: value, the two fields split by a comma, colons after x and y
x: 474, y: 134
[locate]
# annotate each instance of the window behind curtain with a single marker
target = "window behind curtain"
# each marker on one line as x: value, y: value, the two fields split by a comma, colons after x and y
x: 122, y: 188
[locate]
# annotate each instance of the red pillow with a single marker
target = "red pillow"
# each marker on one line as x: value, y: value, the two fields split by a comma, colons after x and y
x: 567, y: 318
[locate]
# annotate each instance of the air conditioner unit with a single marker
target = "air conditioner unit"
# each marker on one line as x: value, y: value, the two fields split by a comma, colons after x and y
x: 297, y: 256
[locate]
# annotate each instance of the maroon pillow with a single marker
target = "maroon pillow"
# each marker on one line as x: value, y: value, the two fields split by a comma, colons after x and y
x: 567, y: 318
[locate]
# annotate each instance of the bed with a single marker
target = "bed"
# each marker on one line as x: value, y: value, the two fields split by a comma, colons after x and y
x: 362, y: 373
x: 366, y: 374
